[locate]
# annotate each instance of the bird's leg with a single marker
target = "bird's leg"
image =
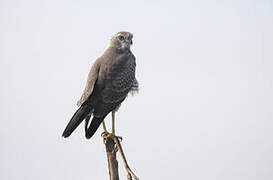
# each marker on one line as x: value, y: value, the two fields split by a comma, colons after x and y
x: 113, y: 122
x: 104, y: 126
x: 112, y: 135
x: 113, y: 126
x: 105, y: 132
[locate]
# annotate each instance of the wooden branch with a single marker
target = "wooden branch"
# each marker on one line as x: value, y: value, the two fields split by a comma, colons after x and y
x: 112, y: 145
x: 130, y: 173
x: 111, y: 158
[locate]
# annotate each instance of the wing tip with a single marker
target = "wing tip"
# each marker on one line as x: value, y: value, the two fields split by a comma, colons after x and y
x: 64, y: 136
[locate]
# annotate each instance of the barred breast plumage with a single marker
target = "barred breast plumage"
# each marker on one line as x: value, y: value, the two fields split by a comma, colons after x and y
x: 122, y: 81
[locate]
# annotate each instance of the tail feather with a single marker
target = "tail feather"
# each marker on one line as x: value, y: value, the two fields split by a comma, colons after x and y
x: 76, y: 119
x: 95, y: 123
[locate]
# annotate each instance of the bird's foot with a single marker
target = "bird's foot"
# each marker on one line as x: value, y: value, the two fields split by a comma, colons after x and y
x: 106, y: 135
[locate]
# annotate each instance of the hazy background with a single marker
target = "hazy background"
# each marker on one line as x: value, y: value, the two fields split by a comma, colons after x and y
x: 205, y: 106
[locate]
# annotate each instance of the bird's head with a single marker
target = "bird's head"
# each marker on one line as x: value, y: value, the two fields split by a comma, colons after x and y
x: 122, y: 40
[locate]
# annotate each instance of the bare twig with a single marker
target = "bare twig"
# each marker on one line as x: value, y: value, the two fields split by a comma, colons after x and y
x: 111, y: 158
x: 112, y: 144
x: 129, y: 171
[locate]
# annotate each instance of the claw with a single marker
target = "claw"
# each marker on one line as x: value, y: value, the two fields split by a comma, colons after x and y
x: 106, y: 134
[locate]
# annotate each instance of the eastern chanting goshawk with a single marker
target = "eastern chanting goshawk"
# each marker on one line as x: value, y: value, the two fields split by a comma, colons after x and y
x: 110, y: 79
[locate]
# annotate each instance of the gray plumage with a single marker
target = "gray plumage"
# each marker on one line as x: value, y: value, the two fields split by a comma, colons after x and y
x: 110, y: 79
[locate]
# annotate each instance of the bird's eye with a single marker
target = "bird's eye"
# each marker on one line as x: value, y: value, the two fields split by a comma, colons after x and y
x: 121, y: 38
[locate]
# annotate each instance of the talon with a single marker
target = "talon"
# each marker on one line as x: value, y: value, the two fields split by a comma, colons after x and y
x: 106, y: 135
x: 103, y: 133
x: 118, y: 137
x: 114, y: 136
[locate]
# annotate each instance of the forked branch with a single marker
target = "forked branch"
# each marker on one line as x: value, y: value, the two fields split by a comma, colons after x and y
x: 112, y: 145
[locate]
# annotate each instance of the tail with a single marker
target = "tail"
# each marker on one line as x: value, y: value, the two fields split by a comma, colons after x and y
x: 95, y: 123
x: 76, y: 119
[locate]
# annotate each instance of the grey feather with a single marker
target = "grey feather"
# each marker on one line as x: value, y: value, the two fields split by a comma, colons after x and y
x: 92, y: 77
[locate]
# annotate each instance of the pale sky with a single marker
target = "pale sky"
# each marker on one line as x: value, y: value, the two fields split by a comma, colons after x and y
x: 205, y: 106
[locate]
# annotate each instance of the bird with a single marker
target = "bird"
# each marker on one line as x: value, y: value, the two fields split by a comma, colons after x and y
x: 110, y: 80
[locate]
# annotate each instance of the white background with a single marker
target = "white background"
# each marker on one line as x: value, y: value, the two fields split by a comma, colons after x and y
x: 204, y: 110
